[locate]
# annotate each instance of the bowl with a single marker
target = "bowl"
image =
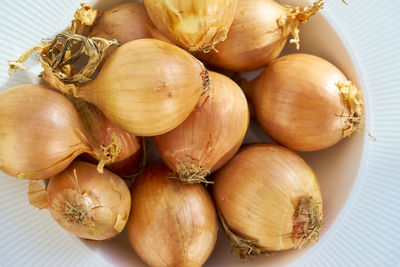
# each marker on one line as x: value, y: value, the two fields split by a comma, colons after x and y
x: 358, y: 176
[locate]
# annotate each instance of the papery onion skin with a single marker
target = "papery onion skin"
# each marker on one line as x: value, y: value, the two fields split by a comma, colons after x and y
x: 255, y: 37
x: 147, y: 87
x: 298, y: 102
x: 125, y: 22
x: 88, y: 204
x: 40, y: 132
x: 171, y: 223
x: 257, y: 193
x: 211, y: 135
x: 106, y: 133
x: 197, y: 25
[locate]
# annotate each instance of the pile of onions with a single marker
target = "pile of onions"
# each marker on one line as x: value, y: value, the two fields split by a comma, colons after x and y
x: 171, y: 223
x: 305, y: 103
x: 41, y: 133
x: 88, y: 204
x: 125, y: 22
x: 210, y: 136
x: 269, y: 200
x: 129, y: 146
x: 258, y: 33
x: 146, y: 87
x: 197, y: 25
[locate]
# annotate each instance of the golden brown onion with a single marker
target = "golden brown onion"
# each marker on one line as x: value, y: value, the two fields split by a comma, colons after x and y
x: 269, y: 199
x: 305, y: 103
x: 88, y: 204
x: 197, y: 25
x: 40, y: 132
x: 258, y: 33
x: 210, y: 136
x: 171, y: 223
x: 146, y: 87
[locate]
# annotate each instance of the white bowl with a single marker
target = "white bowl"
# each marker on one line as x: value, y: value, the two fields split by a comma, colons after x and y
x: 359, y: 177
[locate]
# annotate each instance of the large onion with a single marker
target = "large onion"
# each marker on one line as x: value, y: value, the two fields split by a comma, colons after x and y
x: 269, y: 199
x: 210, y: 136
x: 258, y: 33
x: 197, y: 25
x: 88, y: 204
x: 171, y: 223
x: 146, y: 87
x: 306, y: 103
x: 41, y: 133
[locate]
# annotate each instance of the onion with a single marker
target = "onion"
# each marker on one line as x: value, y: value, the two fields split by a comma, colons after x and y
x: 306, y: 103
x: 258, y: 34
x: 146, y: 87
x: 41, y: 133
x: 269, y: 200
x: 171, y: 223
x: 125, y: 22
x: 210, y: 136
x: 88, y: 204
x: 197, y: 25
x: 105, y: 133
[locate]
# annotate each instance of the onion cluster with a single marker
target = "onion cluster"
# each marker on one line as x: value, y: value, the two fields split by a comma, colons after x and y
x: 123, y: 78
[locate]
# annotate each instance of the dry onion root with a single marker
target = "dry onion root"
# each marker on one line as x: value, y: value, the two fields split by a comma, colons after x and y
x: 305, y: 103
x: 126, y: 145
x: 197, y: 25
x: 210, y: 136
x: 88, y: 204
x: 41, y: 133
x: 269, y: 200
x: 258, y: 34
x: 171, y: 223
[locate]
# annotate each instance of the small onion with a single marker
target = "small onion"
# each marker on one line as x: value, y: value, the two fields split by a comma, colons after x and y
x: 269, y: 200
x: 258, y: 34
x: 171, y: 223
x: 210, y: 136
x: 41, y: 133
x: 126, y: 145
x: 146, y: 87
x: 197, y: 25
x: 125, y: 22
x: 88, y: 204
x: 306, y: 103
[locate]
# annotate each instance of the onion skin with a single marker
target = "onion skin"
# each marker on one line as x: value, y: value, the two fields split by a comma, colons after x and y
x: 197, y: 25
x: 299, y: 104
x: 147, y: 87
x: 88, y: 204
x: 211, y: 135
x: 257, y: 36
x: 40, y: 132
x: 171, y: 223
x: 125, y: 22
x: 257, y: 193
x: 105, y: 133
x: 126, y: 163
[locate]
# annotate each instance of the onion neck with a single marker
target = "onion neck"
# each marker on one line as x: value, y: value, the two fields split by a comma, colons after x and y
x: 307, y: 222
x: 294, y: 16
x: 352, y: 97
